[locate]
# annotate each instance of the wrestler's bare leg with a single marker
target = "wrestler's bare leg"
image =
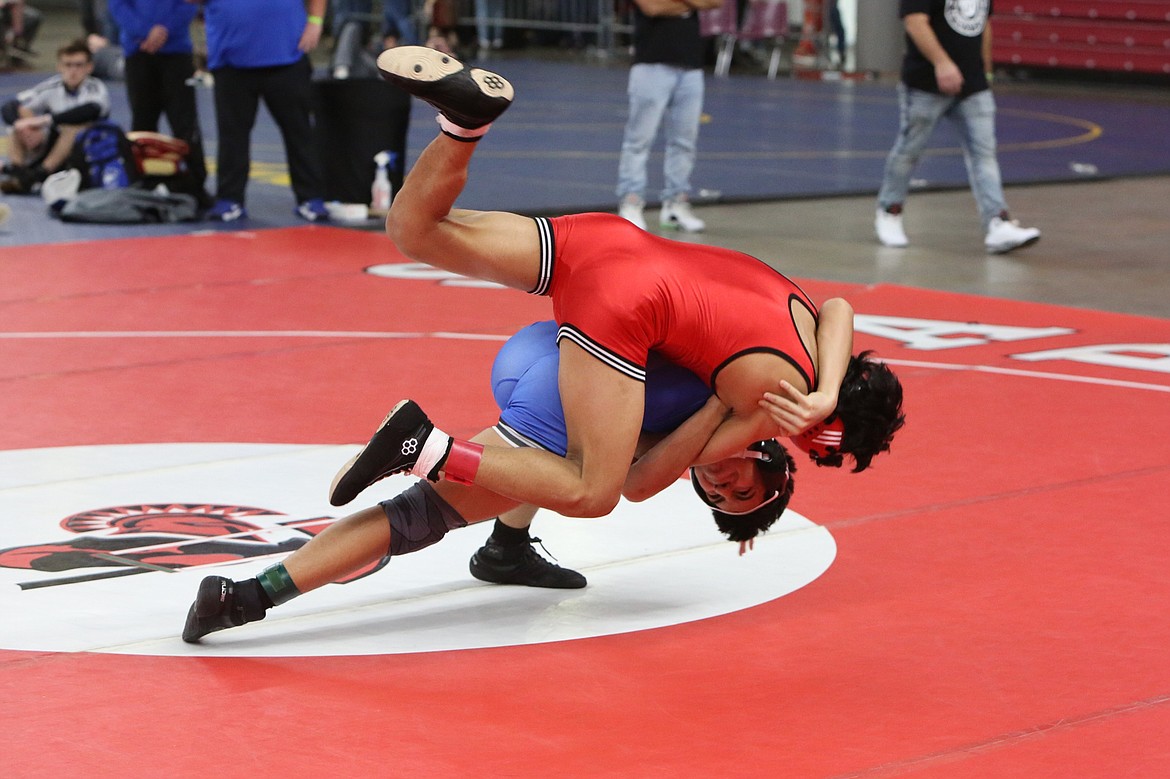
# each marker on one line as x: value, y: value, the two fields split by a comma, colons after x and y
x: 519, y: 518
x: 603, y: 409
x: 603, y: 417
x: 359, y: 539
x: 423, y: 223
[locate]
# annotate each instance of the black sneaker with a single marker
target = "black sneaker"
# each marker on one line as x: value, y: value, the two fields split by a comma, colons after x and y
x: 216, y: 608
x: 493, y: 563
x: 393, y: 449
x: 22, y: 180
x: 469, y: 97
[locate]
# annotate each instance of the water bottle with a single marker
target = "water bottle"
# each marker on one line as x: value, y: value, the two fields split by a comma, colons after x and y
x: 381, y: 192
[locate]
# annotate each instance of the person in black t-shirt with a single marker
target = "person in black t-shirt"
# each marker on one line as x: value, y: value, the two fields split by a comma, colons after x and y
x: 666, y: 90
x: 945, y: 73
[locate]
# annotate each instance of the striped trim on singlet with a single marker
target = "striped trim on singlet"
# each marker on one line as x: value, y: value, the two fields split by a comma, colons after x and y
x: 515, y: 437
x: 547, y: 253
x: 599, y: 352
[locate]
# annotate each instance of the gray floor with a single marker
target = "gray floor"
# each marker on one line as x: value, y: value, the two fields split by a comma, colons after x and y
x: 1105, y: 245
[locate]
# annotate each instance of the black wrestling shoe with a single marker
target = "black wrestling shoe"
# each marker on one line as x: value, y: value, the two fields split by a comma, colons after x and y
x: 393, y: 449
x: 216, y: 607
x: 497, y: 564
x: 469, y: 97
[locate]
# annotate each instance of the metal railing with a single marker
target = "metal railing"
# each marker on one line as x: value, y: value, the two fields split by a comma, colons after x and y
x: 592, y: 23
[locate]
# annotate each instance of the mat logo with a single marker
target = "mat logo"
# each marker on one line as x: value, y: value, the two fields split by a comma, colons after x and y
x: 103, y: 547
x: 418, y: 271
x: 160, y: 537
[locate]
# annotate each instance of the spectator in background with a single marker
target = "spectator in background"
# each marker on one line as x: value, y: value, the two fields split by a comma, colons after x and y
x: 945, y: 73
x: 836, y: 27
x: 20, y: 23
x: 397, y: 24
x: 442, y: 18
x: 45, y: 119
x: 489, y: 31
x: 101, y: 32
x: 257, y: 49
x: 160, y: 65
x: 353, y: 56
x: 666, y: 90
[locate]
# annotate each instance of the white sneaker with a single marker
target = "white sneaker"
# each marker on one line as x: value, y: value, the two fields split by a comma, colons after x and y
x: 631, y: 210
x: 1003, y: 235
x: 889, y: 229
x: 677, y: 214
x: 61, y: 187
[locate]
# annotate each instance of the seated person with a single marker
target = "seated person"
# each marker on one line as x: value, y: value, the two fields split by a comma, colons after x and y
x: 20, y: 24
x: 45, y: 119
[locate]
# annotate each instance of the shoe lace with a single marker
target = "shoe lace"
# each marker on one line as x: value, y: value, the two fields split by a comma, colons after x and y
x: 536, y: 540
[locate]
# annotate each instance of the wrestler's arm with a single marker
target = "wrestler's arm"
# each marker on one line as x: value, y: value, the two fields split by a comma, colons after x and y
x: 792, y: 410
x: 734, y: 434
x: 661, y: 465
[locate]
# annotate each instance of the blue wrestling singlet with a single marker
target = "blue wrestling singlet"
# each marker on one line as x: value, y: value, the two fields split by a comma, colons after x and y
x: 524, y: 383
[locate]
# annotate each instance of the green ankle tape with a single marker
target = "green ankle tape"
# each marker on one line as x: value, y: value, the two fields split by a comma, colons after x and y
x: 278, y: 584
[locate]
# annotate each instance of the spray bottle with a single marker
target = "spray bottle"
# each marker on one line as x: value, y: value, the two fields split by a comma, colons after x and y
x: 380, y: 193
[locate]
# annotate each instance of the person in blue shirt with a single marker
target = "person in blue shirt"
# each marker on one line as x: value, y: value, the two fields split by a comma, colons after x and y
x: 258, y: 50
x: 156, y: 39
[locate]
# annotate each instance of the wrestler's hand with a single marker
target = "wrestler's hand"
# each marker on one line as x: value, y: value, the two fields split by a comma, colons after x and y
x: 793, y: 412
x: 746, y: 546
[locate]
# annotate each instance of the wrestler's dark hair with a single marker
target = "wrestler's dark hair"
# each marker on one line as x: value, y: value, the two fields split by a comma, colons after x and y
x: 870, y: 407
x: 777, y: 475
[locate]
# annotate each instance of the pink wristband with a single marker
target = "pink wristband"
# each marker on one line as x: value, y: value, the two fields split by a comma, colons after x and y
x: 463, y: 462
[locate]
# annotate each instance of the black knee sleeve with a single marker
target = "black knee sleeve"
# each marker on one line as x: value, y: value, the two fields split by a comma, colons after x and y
x: 418, y: 518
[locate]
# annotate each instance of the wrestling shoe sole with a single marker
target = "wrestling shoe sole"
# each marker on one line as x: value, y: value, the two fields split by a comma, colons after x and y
x: 469, y: 97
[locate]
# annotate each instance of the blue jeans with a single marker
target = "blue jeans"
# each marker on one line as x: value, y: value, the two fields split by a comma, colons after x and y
x: 974, y: 118
x: 396, y: 17
x: 661, y: 96
x: 487, y: 21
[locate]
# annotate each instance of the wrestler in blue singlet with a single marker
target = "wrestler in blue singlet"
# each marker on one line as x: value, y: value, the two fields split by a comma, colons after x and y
x: 524, y: 383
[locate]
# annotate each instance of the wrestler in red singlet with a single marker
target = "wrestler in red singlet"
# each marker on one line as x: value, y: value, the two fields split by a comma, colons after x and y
x: 619, y: 292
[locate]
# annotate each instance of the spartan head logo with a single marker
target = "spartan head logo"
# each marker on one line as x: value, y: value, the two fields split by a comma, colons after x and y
x: 162, y: 537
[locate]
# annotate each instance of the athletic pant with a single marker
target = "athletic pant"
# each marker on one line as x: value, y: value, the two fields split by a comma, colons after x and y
x: 156, y: 85
x: 287, y: 93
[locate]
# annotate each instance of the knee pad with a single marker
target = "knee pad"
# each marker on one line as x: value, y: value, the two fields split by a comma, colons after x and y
x: 418, y: 518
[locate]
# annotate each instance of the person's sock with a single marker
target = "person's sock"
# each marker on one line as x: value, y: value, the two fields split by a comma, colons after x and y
x: 513, y: 540
x: 453, y: 130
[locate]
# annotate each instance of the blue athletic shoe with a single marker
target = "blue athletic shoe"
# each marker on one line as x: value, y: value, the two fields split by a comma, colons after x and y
x: 226, y: 211
x: 312, y: 210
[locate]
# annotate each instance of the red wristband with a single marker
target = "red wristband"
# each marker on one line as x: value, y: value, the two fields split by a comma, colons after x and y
x: 463, y: 462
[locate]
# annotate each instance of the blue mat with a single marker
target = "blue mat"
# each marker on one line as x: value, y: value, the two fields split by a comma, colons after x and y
x: 556, y: 149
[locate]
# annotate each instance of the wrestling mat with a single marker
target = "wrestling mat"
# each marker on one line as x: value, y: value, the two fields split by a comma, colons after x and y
x: 987, y: 601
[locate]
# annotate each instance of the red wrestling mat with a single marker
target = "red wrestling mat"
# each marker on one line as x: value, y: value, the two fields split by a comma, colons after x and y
x: 996, y: 605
